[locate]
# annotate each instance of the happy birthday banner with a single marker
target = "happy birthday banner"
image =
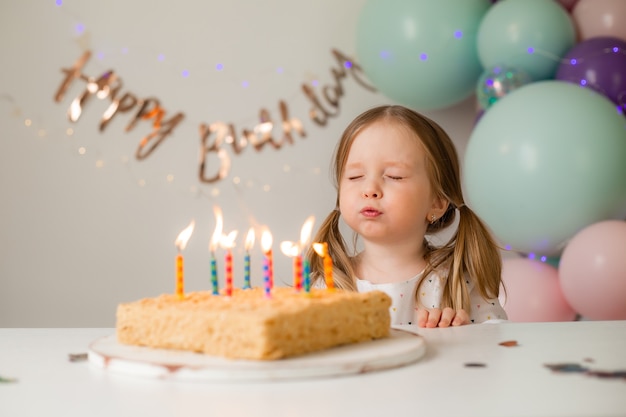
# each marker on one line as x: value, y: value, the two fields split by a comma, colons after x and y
x: 213, y: 136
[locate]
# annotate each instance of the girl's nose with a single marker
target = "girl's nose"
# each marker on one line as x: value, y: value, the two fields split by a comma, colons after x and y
x: 372, y: 191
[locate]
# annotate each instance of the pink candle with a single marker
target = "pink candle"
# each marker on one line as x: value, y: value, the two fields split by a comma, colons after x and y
x: 228, y: 243
x: 297, y: 272
x: 228, y: 261
x: 270, y: 261
x: 266, y: 277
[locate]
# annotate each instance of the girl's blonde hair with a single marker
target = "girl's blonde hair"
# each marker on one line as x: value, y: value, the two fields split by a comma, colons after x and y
x: 470, y: 252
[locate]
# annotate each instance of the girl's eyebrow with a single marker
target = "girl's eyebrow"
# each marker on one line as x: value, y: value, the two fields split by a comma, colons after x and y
x: 394, y: 163
x: 354, y: 165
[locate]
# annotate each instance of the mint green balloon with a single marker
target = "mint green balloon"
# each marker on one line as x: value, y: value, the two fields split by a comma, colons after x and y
x: 544, y: 162
x: 531, y: 35
x: 421, y: 53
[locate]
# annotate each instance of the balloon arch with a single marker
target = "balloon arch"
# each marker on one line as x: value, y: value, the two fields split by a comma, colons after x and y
x: 545, y: 165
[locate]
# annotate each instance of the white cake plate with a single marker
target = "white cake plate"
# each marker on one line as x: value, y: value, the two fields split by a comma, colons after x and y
x: 401, y: 348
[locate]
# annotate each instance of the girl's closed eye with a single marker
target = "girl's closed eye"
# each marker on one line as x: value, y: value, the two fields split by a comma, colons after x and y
x: 395, y: 175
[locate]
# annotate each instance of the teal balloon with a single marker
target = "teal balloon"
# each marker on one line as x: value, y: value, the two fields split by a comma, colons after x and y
x: 421, y: 53
x: 553, y: 261
x: 497, y: 82
x: 531, y: 35
x: 544, y: 162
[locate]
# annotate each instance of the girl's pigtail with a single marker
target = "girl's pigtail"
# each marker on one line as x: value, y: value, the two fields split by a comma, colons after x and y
x: 476, y: 255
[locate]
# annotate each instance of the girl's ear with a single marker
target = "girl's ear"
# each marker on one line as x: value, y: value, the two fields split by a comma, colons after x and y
x: 438, y: 208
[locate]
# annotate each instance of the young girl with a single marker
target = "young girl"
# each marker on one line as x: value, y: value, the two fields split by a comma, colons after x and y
x: 397, y: 178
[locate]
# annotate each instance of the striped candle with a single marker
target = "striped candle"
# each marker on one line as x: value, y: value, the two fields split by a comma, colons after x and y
x: 214, y: 282
x: 246, y: 271
x: 306, y: 277
x: 181, y: 243
x: 228, y: 261
x: 297, y: 273
x: 246, y: 260
x: 266, y: 246
x: 266, y: 276
x: 180, y: 281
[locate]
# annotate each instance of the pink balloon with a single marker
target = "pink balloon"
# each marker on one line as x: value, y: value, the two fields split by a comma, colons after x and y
x: 592, y: 271
x: 594, y: 18
x: 533, y: 293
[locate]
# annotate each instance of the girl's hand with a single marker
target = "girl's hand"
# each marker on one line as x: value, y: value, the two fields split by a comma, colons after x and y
x: 437, y: 318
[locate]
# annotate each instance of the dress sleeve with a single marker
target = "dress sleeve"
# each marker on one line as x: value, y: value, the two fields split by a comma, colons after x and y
x: 484, y: 310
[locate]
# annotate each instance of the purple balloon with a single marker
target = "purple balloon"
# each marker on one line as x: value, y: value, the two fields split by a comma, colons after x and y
x: 600, y: 64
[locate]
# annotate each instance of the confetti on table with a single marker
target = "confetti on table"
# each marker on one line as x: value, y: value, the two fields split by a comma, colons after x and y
x: 77, y: 357
x: 577, y: 368
x: 509, y: 343
x: 475, y: 365
x: 4, y: 379
x: 608, y: 374
x: 566, y: 367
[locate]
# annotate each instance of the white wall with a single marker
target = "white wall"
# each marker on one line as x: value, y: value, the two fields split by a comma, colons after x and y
x: 80, y: 233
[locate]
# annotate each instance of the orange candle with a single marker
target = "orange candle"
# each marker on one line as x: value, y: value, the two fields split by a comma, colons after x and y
x: 180, y: 280
x: 293, y: 251
x: 328, y: 268
x: 322, y: 250
x: 181, y: 242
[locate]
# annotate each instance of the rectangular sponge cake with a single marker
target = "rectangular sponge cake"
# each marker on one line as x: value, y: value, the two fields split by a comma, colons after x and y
x: 249, y: 325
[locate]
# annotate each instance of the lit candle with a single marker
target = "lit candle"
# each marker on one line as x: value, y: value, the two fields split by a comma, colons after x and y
x: 270, y: 264
x: 305, y: 235
x: 322, y: 250
x: 266, y: 246
x: 214, y: 283
x: 181, y: 242
x: 306, y: 275
x: 293, y: 251
x: 228, y: 263
x: 246, y: 260
x: 215, y: 240
x: 228, y: 242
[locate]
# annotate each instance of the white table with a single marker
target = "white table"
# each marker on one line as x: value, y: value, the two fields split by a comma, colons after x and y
x: 514, y: 382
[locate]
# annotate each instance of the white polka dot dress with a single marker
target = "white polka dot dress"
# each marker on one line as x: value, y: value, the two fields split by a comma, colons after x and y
x: 404, y: 304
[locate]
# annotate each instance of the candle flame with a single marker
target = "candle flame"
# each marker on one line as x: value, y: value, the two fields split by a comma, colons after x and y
x: 219, y: 226
x: 305, y: 232
x: 320, y: 249
x: 289, y: 248
x: 183, y: 237
x: 250, y: 238
x: 228, y: 241
x: 266, y: 241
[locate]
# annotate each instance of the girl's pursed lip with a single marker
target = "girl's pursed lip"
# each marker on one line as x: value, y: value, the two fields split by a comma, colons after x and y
x: 370, y: 212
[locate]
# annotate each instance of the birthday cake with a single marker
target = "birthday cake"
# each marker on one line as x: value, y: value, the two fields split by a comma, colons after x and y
x: 250, y: 325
